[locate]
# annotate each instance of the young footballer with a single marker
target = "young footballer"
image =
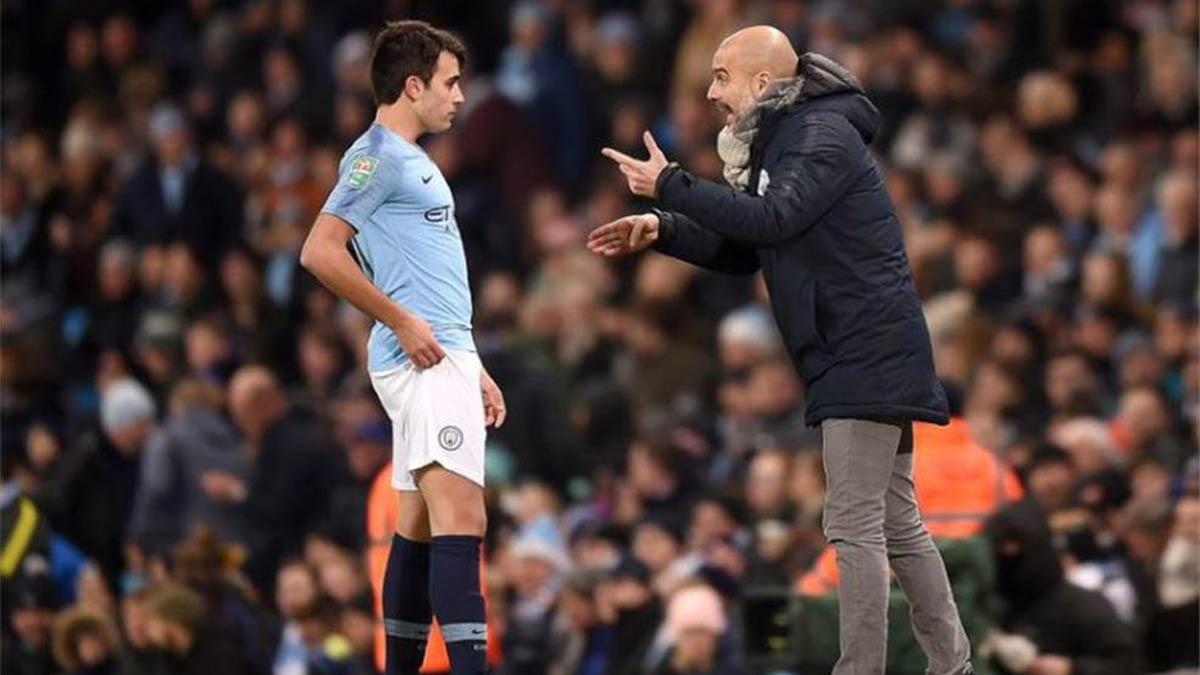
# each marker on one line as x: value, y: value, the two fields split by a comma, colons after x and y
x: 387, y: 242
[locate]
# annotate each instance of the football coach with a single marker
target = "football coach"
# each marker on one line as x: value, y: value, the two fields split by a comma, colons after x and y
x: 806, y: 204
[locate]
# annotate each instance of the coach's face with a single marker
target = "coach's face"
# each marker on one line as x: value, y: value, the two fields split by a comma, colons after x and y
x: 439, y: 100
x: 738, y: 81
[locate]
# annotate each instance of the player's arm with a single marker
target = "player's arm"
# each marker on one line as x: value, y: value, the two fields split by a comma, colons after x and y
x: 364, y: 185
x: 326, y: 256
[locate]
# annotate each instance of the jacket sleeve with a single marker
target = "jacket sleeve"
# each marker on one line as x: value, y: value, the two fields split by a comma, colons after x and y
x: 680, y: 237
x: 153, y: 519
x: 1117, y: 653
x: 811, y: 175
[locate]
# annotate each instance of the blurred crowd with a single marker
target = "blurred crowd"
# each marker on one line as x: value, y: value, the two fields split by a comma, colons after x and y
x: 190, y: 438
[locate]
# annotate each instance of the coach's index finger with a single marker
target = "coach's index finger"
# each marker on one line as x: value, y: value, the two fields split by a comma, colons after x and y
x: 618, y: 157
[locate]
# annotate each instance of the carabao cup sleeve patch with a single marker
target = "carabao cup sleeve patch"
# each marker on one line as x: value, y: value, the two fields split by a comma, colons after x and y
x: 361, y: 170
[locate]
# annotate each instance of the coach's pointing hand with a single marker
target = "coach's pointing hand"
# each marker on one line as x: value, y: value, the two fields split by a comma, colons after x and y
x: 641, y: 174
x: 624, y: 235
x: 416, y: 337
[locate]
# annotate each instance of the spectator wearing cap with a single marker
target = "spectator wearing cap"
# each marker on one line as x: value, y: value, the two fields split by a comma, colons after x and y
x: 746, y: 336
x: 157, y: 347
x: 695, y: 626
x: 177, y: 195
x: 30, y: 607
x: 89, y: 496
x: 537, y: 561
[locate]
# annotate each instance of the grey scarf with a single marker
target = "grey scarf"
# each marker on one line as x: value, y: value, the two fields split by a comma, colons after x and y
x: 816, y: 75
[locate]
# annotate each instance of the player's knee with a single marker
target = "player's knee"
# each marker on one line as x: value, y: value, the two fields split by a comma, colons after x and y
x: 455, y: 503
x: 413, y: 525
x: 460, y: 519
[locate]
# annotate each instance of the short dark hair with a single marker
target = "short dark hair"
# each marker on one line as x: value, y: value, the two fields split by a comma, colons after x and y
x: 407, y: 48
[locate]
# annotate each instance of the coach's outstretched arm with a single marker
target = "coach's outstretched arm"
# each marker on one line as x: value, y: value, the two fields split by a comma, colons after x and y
x: 676, y: 235
x: 326, y: 256
x: 810, y: 176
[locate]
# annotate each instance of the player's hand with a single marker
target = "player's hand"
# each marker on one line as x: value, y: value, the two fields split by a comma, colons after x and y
x: 624, y: 235
x: 494, y: 410
x: 641, y: 174
x: 416, y: 338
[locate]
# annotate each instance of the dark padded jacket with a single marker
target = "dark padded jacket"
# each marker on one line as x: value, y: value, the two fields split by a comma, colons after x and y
x: 816, y: 218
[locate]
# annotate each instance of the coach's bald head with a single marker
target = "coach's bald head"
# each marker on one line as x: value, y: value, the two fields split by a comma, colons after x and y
x: 745, y: 64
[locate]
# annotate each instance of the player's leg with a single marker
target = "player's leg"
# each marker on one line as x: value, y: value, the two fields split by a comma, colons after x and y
x: 922, y: 574
x: 458, y: 521
x: 447, y: 424
x: 407, y: 613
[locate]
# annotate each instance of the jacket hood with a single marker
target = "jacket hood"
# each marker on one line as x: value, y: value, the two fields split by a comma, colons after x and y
x: 820, y: 83
x: 1027, y: 566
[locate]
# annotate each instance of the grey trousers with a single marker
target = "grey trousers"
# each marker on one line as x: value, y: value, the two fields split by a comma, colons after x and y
x: 871, y: 518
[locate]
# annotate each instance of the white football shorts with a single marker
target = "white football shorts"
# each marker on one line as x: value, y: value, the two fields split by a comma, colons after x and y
x: 437, y: 416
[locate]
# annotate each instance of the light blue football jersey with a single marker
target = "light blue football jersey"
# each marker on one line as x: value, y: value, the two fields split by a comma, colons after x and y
x: 407, y: 241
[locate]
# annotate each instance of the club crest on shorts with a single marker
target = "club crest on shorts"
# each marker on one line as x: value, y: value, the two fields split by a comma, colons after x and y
x: 450, y: 438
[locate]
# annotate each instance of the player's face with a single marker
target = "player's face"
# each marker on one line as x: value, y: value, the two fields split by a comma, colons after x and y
x: 735, y: 86
x: 441, y: 99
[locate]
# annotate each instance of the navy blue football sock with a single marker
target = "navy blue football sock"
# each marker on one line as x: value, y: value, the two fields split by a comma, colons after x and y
x: 406, y: 610
x: 458, y: 603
